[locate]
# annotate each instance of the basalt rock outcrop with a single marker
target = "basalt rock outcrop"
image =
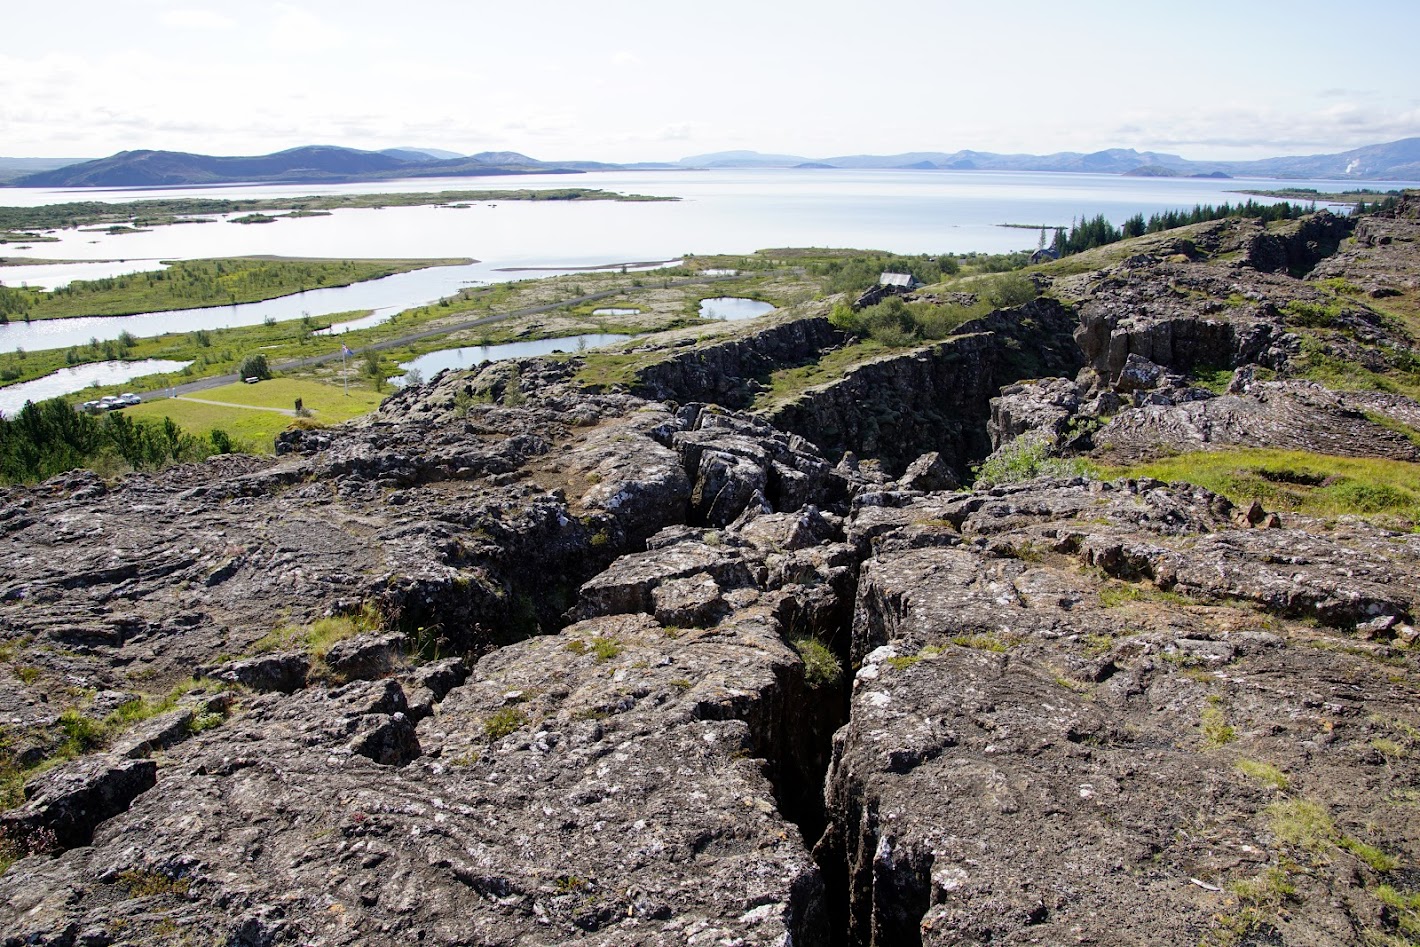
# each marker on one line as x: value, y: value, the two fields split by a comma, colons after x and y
x: 937, y: 398
x: 654, y: 669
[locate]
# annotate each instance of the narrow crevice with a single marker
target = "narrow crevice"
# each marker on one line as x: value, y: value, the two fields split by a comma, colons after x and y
x: 815, y: 708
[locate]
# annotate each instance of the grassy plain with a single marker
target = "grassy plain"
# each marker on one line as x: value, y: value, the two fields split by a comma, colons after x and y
x: 1383, y: 491
x: 189, y: 284
x: 254, y: 427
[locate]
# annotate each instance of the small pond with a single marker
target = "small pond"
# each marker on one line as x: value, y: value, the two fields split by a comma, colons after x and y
x: 733, y: 308
x: 69, y: 380
x: 431, y: 363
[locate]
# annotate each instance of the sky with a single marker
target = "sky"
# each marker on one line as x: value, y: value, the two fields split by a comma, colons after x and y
x: 629, y: 80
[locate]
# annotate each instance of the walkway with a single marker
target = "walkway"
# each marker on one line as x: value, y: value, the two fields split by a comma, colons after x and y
x: 228, y: 404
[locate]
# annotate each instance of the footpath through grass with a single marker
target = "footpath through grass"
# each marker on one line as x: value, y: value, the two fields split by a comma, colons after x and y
x: 255, y: 430
x: 1383, y: 491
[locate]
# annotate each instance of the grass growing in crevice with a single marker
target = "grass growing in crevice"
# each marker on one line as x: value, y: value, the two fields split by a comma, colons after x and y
x: 1116, y: 594
x: 142, y: 883
x: 981, y: 642
x: 502, y: 722
x: 821, y: 666
x: 317, y: 638
x: 1406, y: 906
x: 1025, y: 458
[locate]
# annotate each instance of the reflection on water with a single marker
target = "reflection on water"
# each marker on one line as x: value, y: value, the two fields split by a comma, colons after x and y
x: 68, y: 380
x: 733, y: 308
x: 432, y: 363
x: 53, y: 275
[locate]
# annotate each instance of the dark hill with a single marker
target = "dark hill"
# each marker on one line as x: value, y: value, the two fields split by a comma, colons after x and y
x: 307, y: 164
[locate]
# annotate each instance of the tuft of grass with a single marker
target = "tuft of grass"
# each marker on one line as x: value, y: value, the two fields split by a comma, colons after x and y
x: 605, y: 648
x: 821, y: 666
x: 317, y: 638
x: 1378, y: 859
x: 503, y: 722
x: 1114, y: 594
x: 570, y: 884
x: 1389, y: 748
x: 9, y: 649
x: 1216, y: 729
x: 141, y: 883
x: 1406, y: 907
x: 1264, y: 773
x: 1097, y: 645
x: 980, y: 643
x: 1268, y: 890
x: 1302, y: 823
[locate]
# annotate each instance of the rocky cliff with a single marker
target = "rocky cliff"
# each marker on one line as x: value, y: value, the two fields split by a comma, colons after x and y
x: 514, y: 662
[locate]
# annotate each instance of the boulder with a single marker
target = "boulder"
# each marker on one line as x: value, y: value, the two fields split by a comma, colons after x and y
x: 65, y: 805
x: 366, y: 656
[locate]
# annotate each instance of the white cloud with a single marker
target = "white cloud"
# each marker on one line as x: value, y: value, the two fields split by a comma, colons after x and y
x: 296, y: 29
x: 187, y: 19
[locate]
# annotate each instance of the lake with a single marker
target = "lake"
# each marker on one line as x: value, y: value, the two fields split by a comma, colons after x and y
x: 66, y: 380
x: 720, y: 212
x: 733, y: 308
x: 431, y: 363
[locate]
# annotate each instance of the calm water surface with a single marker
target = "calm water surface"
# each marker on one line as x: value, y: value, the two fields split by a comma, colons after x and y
x: 733, y: 308
x: 431, y: 363
x: 720, y: 212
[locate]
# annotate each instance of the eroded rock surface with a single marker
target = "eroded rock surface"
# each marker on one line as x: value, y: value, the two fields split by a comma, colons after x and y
x: 655, y: 670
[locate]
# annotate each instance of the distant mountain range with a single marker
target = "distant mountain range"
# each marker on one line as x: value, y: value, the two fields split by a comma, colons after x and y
x: 1397, y: 160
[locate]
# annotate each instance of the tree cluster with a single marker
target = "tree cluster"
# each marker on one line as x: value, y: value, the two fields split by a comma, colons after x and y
x: 1096, y: 231
x: 50, y: 437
